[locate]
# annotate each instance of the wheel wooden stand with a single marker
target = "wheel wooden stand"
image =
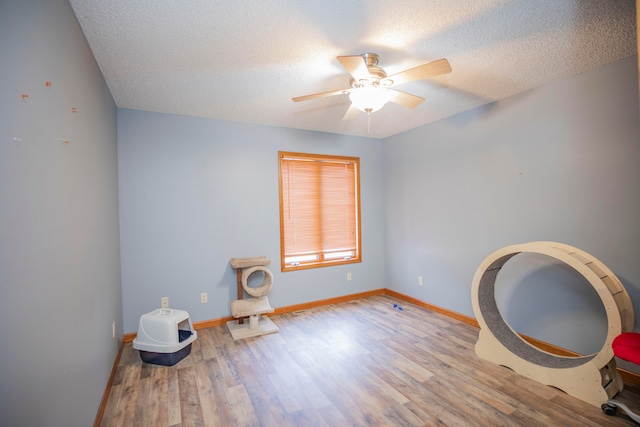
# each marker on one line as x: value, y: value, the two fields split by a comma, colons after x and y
x: 257, y: 305
x: 593, y: 378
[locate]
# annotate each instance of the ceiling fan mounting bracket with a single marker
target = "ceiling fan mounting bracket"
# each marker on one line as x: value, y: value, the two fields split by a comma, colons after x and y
x: 371, y: 58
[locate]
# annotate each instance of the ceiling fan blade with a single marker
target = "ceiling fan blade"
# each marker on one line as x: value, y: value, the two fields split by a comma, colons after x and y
x: 321, y: 95
x: 356, y: 66
x: 404, y: 99
x: 351, y: 113
x: 435, y: 68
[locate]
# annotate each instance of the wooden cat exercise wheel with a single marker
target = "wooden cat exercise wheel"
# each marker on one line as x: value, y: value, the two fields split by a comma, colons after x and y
x: 592, y: 378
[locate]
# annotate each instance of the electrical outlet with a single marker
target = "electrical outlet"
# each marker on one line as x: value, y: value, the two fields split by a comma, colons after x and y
x: 165, y: 302
x: 420, y: 282
x: 204, y: 298
x: 113, y: 329
x: 348, y: 277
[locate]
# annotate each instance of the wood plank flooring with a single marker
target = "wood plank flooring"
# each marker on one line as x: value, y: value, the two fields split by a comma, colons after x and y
x: 359, y: 363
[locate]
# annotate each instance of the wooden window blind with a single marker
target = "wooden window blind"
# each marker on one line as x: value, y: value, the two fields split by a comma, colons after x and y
x: 319, y: 210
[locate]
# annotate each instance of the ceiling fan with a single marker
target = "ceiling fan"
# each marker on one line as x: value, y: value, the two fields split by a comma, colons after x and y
x: 371, y: 88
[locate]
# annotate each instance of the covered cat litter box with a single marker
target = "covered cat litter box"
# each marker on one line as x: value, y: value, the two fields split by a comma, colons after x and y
x: 164, y: 336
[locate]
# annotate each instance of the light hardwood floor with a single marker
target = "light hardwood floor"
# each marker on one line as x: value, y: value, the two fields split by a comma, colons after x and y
x: 359, y: 363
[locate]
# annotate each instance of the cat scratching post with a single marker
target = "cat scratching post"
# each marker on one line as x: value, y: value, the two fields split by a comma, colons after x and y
x: 594, y: 378
x: 257, y: 305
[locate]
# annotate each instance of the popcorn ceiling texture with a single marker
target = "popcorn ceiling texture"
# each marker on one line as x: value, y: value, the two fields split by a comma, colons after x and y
x: 245, y: 60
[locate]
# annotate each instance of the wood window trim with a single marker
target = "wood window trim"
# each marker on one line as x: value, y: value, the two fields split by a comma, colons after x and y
x: 322, y: 253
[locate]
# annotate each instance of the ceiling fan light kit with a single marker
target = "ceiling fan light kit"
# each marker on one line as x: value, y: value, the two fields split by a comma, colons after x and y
x: 371, y: 89
x: 369, y: 98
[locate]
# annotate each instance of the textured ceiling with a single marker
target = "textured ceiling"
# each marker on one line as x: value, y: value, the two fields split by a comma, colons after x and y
x: 245, y: 60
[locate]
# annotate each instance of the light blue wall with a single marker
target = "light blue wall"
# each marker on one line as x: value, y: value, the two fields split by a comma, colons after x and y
x: 559, y: 163
x: 195, y: 193
x: 59, y: 237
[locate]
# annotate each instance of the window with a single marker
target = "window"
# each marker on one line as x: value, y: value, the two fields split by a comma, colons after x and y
x: 319, y: 210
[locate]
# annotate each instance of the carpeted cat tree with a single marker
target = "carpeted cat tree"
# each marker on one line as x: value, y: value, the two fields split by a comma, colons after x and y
x: 256, y: 305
